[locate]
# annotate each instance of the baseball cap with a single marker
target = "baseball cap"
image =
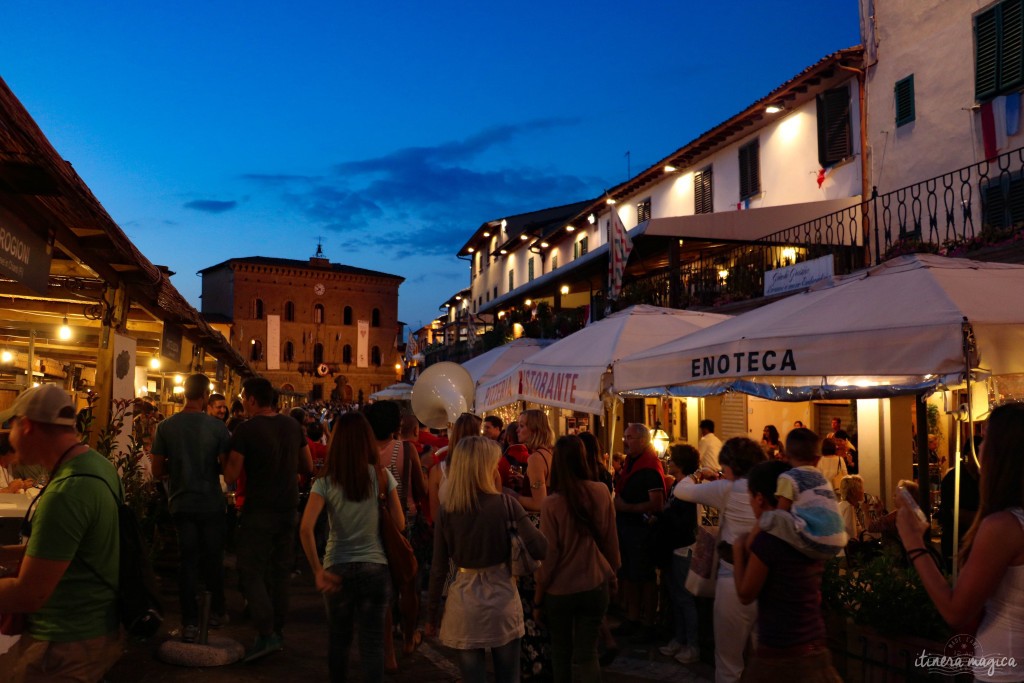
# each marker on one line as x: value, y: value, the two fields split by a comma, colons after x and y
x: 47, y: 404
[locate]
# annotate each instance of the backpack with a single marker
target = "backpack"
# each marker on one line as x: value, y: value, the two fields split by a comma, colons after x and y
x: 138, y: 607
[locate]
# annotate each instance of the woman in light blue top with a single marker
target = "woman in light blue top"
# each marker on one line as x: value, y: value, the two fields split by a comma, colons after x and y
x: 356, y: 583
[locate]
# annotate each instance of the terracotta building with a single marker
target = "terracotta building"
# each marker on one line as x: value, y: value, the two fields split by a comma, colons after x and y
x: 314, y: 328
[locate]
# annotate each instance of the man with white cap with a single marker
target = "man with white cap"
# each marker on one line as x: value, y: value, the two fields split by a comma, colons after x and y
x: 68, y: 574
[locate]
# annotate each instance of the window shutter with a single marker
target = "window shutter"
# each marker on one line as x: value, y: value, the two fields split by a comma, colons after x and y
x: 1011, y: 45
x: 904, y: 98
x: 750, y: 169
x: 986, y: 53
x: 702, y: 191
x: 835, y: 141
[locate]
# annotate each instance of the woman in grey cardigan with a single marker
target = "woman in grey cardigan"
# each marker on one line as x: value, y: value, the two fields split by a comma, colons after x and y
x: 483, y: 609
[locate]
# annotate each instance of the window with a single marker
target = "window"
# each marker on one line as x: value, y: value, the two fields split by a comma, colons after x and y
x: 346, y: 315
x: 318, y: 353
x: 835, y: 135
x: 511, y: 280
x: 375, y: 318
x: 346, y: 354
x: 1003, y: 199
x: 702, y: 191
x: 257, y: 309
x: 999, y: 49
x: 903, y: 93
x: 554, y: 260
x: 288, y: 352
x: 495, y: 291
x: 529, y: 269
x: 289, y: 311
x: 580, y: 248
x: 643, y: 211
x: 375, y: 356
x: 318, y: 313
x: 750, y: 169
x: 256, y: 350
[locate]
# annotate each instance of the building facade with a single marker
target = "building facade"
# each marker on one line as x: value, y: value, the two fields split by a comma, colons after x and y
x: 316, y: 329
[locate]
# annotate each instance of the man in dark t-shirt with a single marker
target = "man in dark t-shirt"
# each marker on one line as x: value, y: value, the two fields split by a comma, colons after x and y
x: 639, y: 497
x: 273, y: 451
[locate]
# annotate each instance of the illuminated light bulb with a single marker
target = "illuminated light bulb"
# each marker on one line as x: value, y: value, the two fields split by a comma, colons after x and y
x: 669, y: 168
x: 64, y: 332
x: 504, y: 252
x: 544, y: 245
x: 177, y: 379
x: 609, y: 201
x: 487, y: 234
x: 528, y: 302
x: 6, y: 356
x: 524, y: 237
x: 565, y: 289
x: 569, y: 228
x: 471, y: 250
x: 772, y: 109
x: 592, y: 219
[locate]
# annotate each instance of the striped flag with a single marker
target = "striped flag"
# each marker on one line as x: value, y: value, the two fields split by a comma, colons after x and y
x: 619, y: 247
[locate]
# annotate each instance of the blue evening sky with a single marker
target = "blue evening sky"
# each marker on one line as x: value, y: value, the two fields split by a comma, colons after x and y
x: 217, y: 129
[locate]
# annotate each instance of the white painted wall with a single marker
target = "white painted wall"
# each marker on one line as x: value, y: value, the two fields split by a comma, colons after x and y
x: 789, y: 168
x: 934, y: 41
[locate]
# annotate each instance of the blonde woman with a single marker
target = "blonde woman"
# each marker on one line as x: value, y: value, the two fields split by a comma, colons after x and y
x: 483, y: 608
x: 535, y: 434
x: 467, y: 425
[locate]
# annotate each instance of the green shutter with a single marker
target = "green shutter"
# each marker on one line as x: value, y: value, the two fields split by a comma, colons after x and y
x: 986, y: 53
x: 904, y: 98
x: 1011, y: 42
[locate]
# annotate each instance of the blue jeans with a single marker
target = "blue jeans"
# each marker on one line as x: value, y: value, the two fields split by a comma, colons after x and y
x: 363, y: 599
x: 201, y: 549
x: 684, y: 608
x: 473, y: 664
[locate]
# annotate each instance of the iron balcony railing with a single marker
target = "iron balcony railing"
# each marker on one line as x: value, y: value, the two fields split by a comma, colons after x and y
x: 959, y: 213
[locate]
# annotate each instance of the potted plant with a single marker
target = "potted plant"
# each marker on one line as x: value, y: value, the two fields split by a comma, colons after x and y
x: 880, y: 618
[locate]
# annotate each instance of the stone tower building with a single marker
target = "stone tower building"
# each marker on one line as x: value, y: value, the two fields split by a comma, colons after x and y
x: 315, y: 329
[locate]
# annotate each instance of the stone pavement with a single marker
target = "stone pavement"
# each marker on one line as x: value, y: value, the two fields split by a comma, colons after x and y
x: 305, y: 654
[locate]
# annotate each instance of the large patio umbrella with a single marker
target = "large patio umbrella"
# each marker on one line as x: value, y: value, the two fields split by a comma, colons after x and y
x: 496, y: 361
x: 907, y: 325
x: 571, y: 372
x: 395, y: 392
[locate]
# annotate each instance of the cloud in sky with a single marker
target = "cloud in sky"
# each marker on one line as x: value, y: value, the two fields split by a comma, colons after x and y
x: 419, y: 201
x: 211, y: 205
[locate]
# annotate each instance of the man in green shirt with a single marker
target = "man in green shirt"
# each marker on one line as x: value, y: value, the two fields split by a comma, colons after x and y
x: 67, y: 580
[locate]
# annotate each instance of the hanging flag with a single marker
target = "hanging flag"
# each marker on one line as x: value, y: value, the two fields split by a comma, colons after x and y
x: 988, y: 132
x: 619, y: 247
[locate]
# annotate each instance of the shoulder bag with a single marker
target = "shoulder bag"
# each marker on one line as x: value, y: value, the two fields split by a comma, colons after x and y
x: 401, y: 560
x: 703, y: 575
x: 521, y: 561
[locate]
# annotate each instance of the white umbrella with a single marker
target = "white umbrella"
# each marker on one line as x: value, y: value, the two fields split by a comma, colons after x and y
x: 395, y: 392
x: 496, y: 361
x: 900, y: 327
x: 571, y: 372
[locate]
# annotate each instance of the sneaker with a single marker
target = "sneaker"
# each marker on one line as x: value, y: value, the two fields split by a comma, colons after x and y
x: 263, y: 646
x: 190, y: 633
x: 670, y: 649
x: 218, y: 620
x: 688, y: 654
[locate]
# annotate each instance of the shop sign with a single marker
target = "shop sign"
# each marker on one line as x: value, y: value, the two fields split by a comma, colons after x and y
x: 170, y: 343
x: 24, y: 256
x: 799, y: 276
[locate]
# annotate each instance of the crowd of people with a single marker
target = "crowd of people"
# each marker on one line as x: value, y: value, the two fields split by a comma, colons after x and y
x: 526, y: 543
